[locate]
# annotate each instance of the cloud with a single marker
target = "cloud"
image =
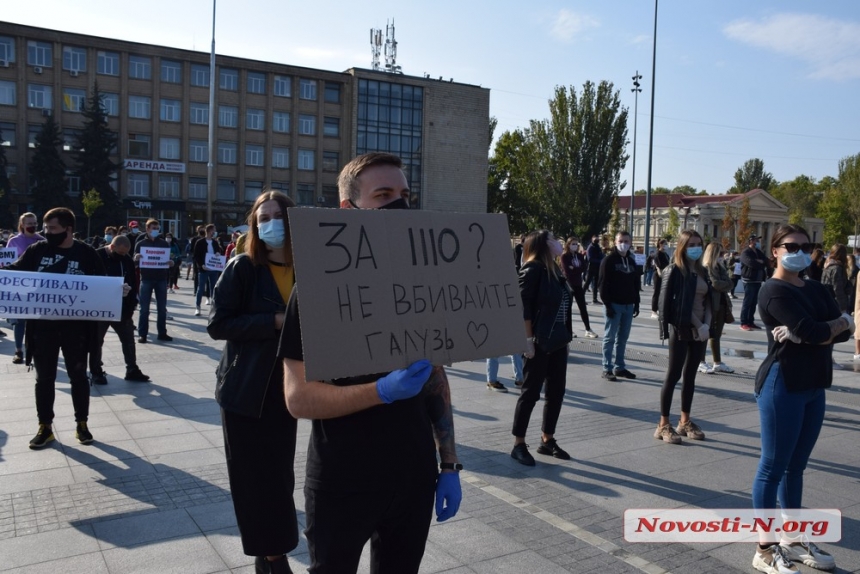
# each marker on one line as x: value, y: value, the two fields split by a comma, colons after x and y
x: 831, y: 47
x: 567, y: 25
x: 640, y: 39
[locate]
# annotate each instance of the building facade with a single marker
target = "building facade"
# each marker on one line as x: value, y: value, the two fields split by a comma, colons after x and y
x: 279, y: 126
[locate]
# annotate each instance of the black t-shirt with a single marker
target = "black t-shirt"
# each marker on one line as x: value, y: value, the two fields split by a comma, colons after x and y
x: 368, y: 450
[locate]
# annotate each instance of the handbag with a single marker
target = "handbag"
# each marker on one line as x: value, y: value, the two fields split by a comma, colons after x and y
x: 728, y: 317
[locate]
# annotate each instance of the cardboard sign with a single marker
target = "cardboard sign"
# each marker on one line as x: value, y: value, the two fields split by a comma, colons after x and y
x: 215, y: 262
x: 154, y: 257
x: 55, y: 296
x: 380, y: 289
x: 8, y: 255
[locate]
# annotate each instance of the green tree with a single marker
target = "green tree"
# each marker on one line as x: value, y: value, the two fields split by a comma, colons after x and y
x: 688, y: 190
x: 849, y: 183
x: 506, y: 191
x: 655, y: 191
x: 801, y: 197
x: 834, y: 210
x: 752, y: 176
x: 6, y: 219
x: 93, y: 163
x: 48, y: 171
x: 674, y: 225
x: 745, y: 227
x: 91, y: 201
x: 615, y: 220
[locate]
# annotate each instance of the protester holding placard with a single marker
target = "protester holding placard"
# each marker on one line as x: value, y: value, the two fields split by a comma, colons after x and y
x: 60, y: 254
x: 207, y: 276
x: 372, y: 470
x: 26, y: 237
x: 152, y: 279
x: 259, y: 433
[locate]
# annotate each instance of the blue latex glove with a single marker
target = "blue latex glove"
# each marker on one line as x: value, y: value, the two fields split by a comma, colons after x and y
x: 404, y: 383
x: 448, y: 494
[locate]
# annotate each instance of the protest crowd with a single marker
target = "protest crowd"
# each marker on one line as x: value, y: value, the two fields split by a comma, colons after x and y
x: 246, y: 282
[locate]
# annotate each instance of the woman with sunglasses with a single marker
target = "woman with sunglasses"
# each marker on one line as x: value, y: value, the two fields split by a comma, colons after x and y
x: 802, y: 322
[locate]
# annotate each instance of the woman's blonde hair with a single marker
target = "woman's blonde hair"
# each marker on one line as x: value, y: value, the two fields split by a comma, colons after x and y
x: 680, y: 259
x: 711, y: 258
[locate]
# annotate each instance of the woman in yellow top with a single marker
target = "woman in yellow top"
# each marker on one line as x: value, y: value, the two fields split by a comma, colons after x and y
x: 248, y: 306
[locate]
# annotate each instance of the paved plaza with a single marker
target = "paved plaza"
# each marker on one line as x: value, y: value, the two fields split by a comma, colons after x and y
x: 151, y: 493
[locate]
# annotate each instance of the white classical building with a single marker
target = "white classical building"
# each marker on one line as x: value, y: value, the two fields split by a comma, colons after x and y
x: 705, y: 214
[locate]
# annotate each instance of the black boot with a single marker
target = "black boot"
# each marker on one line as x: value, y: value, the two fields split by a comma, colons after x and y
x: 265, y: 566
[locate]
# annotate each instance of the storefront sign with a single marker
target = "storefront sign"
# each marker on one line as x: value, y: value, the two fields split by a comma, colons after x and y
x: 147, y: 165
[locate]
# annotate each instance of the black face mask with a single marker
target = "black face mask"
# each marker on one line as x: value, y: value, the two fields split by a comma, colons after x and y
x: 31, y: 230
x: 55, y: 239
x: 595, y: 242
x: 396, y: 204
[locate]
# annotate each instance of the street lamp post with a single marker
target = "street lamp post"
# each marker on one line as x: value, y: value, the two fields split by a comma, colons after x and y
x: 210, y: 167
x: 651, y: 136
x: 636, y: 89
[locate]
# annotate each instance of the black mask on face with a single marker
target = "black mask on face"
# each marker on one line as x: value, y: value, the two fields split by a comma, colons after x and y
x: 31, y: 230
x: 595, y: 241
x: 396, y: 204
x: 55, y: 239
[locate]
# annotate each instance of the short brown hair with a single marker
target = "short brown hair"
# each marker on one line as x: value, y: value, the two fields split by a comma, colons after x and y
x: 151, y: 222
x: 347, y: 185
x: 110, y: 229
x: 63, y: 215
x: 254, y: 246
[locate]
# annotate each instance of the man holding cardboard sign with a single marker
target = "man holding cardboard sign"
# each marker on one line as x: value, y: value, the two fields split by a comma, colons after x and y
x: 152, y: 256
x: 371, y: 471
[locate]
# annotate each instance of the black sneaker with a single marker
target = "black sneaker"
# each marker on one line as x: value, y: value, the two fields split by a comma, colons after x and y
x: 551, y: 448
x: 82, y: 433
x: 164, y: 337
x: 142, y: 339
x: 609, y: 376
x: 99, y: 379
x: 521, y: 454
x: 497, y: 386
x: 136, y: 375
x: 42, y: 438
x: 18, y: 359
x: 624, y: 373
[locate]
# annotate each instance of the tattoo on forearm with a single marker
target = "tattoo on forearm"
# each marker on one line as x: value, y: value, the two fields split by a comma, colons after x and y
x: 438, y: 401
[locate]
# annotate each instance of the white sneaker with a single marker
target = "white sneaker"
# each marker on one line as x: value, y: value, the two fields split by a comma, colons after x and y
x: 774, y: 561
x: 808, y: 553
x: 857, y: 357
x: 593, y: 335
x: 197, y: 312
x: 654, y: 315
x: 170, y: 290
x: 722, y: 368
x: 705, y: 368
x: 208, y: 301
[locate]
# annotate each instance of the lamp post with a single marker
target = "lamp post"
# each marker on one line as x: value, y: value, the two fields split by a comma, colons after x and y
x: 636, y: 89
x: 651, y: 136
x: 210, y: 167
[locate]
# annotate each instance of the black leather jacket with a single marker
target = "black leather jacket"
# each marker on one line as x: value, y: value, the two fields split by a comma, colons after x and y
x: 542, y: 298
x: 244, y: 304
x: 676, y: 300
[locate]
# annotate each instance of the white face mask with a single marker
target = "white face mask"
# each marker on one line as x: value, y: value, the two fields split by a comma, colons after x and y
x: 623, y: 247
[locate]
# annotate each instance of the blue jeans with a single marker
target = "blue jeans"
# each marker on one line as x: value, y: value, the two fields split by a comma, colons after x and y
x: 750, y: 301
x: 790, y: 423
x: 205, y: 278
x: 649, y: 274
x: 616, y: 331
x: 147, y: 287
x: 18, y: 330
x: 493, y: 368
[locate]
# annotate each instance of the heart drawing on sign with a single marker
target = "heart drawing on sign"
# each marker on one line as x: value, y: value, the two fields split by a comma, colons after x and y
x: 478, y: 333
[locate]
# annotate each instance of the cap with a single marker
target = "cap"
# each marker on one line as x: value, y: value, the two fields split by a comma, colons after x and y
x: 133, y: 224
x: 754, y: 237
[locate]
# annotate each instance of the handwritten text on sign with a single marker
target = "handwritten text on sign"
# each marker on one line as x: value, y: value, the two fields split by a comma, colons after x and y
x: 55, y: 296
x: 154, y: 257
x: 8, y: 255
x: 381, y: 289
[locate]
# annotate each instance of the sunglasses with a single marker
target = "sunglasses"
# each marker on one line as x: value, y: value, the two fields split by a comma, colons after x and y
x: 795, y: 247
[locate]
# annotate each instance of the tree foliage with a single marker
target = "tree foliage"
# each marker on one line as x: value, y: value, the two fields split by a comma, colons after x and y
x: 730, y: 217
x: 745, y: 227
x: 752, y: 176
x: 92, y: 156
x: 674, y: 225
x: 563, y: 172
x: 48, y: 171
x: 849, y: 183
x: 92, y: 201
x: 615, y: 220
x: 800, y: 195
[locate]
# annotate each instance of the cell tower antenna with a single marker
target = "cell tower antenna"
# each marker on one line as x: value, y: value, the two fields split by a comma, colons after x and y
x: 375, y: 48
x: 391, y: 49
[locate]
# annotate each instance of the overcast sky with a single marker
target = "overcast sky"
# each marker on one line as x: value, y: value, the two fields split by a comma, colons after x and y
x: 773, y: 79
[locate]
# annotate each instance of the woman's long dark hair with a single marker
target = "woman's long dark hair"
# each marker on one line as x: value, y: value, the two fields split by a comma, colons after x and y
x: 536, y: 246
x: 254, y: 246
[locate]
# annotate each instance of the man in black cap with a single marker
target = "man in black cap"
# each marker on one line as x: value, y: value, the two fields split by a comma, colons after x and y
x: 753, y: 274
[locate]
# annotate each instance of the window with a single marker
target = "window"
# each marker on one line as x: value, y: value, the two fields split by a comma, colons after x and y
x: 74, y: 59
x: 256, y: 83
x: 171, y: 72
x: 140, y: 67
x: 281, y: 122
x: 228, y: 116
x: 107, y: 63
x: 198, y: 150
x: 73, y: 185
x: 308, y: 89
x: 70, y: 139
x: 254, y: 155
x: 283, y: 86
x: 252, y: 190
x: 226, y: 190
x: 281, y: 157
x: 139, y: 107
x: 7, y: 93
x: 33, y: 132
x: 330, y: 161
x: 138, y: 146
x: 305, y: 194
x: 227, y: 152
x: 7, y: 49
x: 138, y: 184
x: 171, y: 110
x: 12, y: 173
x: 306, y: 159
x: 200, y: 113
x: 168, y: 186
x: 197, y: 188
x: 110, y: 102
x: 229, y: 79
x: 7, y: 136
x: 200, y: 75
x: 307, y: 125
x: 282, y: 186
x: 74, y: 100
x: 39, y: 54
x: 39, y: 96
x: 332, y: 92
x: 255, y: 119
x: 168, y: 148
x: 331, y: 127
